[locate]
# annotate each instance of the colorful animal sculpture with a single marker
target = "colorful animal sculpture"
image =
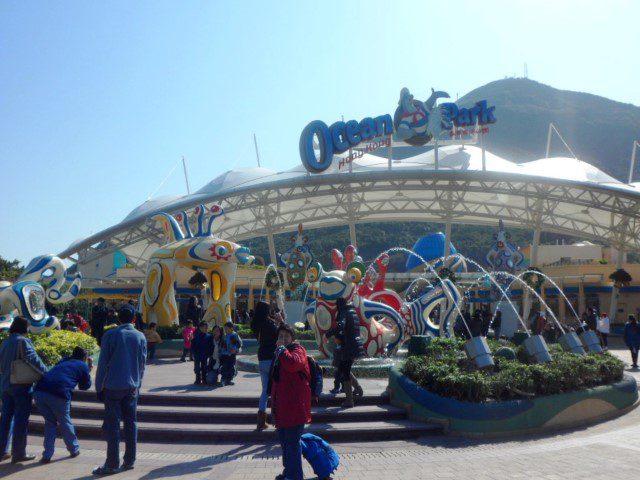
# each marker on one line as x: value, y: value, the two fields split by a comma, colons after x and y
x: 416, y: 122
x: 504, y: 256
x: 217, y: 258
x: 296, y: 260
x: 383, y: 328
x: 27, y: 296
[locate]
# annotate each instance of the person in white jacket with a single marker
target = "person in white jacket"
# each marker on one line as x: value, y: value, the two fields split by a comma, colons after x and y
x: 604, y: 327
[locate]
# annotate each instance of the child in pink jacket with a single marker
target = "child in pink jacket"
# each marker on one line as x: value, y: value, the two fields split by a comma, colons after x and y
x: 187, y: 335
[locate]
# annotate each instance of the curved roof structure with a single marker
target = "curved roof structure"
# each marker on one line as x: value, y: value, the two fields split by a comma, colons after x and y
x: 561, y: 195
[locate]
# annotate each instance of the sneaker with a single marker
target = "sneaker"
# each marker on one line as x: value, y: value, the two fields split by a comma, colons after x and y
x: 104, y: 470
x: 4, y: 457
x: 127, y: 466
x: 335, y: 391
x: 74, y: 454
x: 45, y: 460
x: 182, y: 360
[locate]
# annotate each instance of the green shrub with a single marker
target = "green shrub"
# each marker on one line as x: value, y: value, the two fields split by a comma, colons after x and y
x: 505, y: 352
x: 53, y: 346
x: 445, y: 370
x: 170, y: 333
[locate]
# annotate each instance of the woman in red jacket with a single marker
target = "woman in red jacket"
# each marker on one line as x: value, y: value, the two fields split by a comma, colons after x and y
x: 290, y: 399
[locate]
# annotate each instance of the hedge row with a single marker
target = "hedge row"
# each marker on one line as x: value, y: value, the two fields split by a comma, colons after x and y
x: 446, y: 371
x: 53, y: 346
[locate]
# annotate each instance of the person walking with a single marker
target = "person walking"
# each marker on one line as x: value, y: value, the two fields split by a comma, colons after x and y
x: 497, y: 324
x: 290, y: 399
x: 604, y: 327
x: 153, y: 339
x: 592, y: 320
x: 632, y: 338
x: 265, y: 328
x: 202, y: 348
x: 349, y: 330
x: 99, y: 314
x: 53, y: 399
x: 16, y: 398
x: 118, y: 381
x: 187, y: 335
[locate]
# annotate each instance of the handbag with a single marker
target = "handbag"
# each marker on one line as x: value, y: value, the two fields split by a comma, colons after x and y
x: 22, y: 372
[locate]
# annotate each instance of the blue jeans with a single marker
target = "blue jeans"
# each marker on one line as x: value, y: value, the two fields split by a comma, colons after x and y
x: 16, y: 407
x: 120, y: 405
x: 291, y: 452
x: 56, y: 412
x: 264, y: 367
x: 200, y: 369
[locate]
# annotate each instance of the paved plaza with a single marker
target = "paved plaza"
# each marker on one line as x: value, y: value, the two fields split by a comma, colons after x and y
x: 608, y: 450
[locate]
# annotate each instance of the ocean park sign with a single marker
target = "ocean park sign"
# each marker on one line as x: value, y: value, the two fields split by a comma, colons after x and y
x: 414, y: 122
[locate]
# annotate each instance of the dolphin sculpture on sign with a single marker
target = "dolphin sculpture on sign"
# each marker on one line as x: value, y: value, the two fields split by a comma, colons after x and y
x: 416, y: 122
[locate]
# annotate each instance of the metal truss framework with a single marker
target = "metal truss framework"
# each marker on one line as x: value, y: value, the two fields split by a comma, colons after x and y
x: 585, y: 210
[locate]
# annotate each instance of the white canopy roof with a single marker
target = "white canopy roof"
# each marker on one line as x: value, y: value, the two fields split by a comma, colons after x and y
x: 560, y: 194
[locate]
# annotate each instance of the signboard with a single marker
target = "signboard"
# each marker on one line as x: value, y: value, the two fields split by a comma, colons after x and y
x: 414, y: 123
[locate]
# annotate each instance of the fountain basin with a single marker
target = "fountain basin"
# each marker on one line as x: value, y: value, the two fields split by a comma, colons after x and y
x: 477, y: 349
x: 571, y: 343
x: 537, y: 348
x: 591, y: 341
x: 370, y: 367
x: 538, y: 414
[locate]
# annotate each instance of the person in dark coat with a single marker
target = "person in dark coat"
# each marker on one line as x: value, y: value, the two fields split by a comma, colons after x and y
x: 290, y: 399
x: 632, y: 338
x: 476, y: 324
x: 99, y: 314
x: 266, y: 329
x: 485, y: 316
x: 194, y: 310
x: 202, y: 349
x: 592, y: 320
x: 497, y: 324
x: 348, y: 327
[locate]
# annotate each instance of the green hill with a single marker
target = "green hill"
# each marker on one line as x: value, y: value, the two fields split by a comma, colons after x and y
x: 599, y: 131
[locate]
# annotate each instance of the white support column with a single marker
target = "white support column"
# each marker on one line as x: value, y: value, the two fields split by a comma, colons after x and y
x: 447, y: 240
x: 352, y: 233
x: 272, y: 249
x: 613, y: 307
x: 526, y: 297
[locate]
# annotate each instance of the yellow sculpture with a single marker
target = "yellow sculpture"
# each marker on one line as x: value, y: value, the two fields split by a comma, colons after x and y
x: 216, y: 258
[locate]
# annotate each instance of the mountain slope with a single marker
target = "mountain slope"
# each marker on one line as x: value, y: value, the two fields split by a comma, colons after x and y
x: 600, y: 131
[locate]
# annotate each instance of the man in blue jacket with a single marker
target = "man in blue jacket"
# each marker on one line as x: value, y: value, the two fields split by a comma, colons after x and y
x: 122, y: 358
x: 53, y: 398
x: 16, y: 398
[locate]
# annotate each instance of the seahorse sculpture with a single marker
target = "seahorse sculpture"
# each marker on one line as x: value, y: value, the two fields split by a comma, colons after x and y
x: 27, y: 296
x: 504, y: 256
x: 216, y: 258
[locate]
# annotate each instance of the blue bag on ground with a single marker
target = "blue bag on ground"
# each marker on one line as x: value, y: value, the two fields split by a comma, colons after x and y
x: 323, y: 459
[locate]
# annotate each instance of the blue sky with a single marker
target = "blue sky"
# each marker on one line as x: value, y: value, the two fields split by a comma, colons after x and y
x: 100, y: 100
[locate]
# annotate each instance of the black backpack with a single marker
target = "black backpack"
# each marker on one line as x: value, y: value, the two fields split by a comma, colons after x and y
x: 315, y: 374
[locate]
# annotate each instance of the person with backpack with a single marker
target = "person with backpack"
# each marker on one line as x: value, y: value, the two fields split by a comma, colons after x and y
x: 265, y: 328
x: 337, y: 360
x: 349, y: 328
x: 290, y: 399
x: 231, y: 346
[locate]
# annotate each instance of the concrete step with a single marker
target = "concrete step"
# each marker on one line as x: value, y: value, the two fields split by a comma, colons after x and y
x: 232, y: 433
x: 238, y: 415
x: 213, y: 400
